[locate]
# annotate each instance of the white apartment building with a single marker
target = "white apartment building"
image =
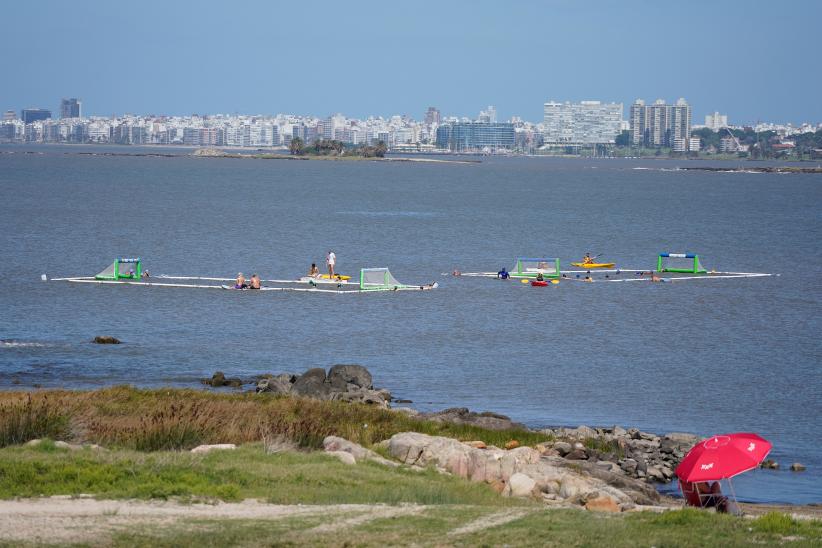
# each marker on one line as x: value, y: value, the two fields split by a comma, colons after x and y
x: 586, y: 122
x: 716, y: 121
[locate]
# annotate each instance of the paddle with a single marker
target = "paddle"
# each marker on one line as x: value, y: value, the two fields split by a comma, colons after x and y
x: 594, y: 257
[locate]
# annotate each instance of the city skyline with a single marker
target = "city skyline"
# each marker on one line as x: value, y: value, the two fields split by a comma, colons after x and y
x: 367, y: 59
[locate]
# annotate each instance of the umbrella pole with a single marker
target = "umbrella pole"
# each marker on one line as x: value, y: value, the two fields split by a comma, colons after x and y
x: 733, y: 493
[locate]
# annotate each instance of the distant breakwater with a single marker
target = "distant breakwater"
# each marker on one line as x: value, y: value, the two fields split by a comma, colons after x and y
x: 765, y: 169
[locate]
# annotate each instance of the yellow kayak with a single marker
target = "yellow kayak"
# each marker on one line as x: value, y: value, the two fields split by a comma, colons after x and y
x: 594, y: 265
x: 336, y: 277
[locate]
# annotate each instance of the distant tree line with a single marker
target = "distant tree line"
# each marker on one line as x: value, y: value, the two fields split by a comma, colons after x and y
x: 333, y: 147
x: 760, y: 144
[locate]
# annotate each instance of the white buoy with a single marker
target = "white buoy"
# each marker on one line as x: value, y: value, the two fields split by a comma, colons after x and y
x: 43, y: 277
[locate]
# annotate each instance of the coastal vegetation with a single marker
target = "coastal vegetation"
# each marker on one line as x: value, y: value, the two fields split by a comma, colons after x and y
x: 169, y: 419
x: 144, y: 437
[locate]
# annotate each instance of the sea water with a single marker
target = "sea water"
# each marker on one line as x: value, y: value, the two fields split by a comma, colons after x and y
x: 707, y: 356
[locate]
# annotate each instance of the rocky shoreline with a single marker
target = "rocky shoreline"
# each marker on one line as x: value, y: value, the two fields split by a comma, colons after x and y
x: 622, y: 458
x: 622, y: 466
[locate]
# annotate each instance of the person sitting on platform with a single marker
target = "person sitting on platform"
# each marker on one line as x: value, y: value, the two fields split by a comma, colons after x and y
x: 239, y: 283
x: 255, y: 282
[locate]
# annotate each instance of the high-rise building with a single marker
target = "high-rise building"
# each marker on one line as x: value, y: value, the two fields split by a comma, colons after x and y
x: 9, y: 116
x: 70, y: 108
x: 716, y: 121
x: 29, y: 115
x: 488, y: 116
x: 432, y: 116
x: 466, y: 136
x: 586, y: 122
x: 660, y: 124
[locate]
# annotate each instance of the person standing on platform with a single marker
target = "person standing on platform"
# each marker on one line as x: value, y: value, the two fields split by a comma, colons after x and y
x: 331, y: 261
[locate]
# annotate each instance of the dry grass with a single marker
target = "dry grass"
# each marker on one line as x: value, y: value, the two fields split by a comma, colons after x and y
x: 28, y: 417
x: 155, y: 420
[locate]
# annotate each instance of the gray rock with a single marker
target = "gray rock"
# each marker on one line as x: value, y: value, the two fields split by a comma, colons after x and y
x: 629, y: 466
x: 340, y: 376
x: 461, y: 415
x: 213, y: 447
x: 105, y: 339
x: 582, y: 432
x: 770, y: 464
x: 338, y: 444
x: 361, y: 395
x: 312, y: 384
x: 609, y: 466
x: 563, y: 447
x: 410, y: 411
x: 619, y: 432
x: 682, y: 438
x: 277, y: 384
x: 219, y: 379
x: 577, y: 454
x: 655, y: 473
x: 641, y: 465
x: 667, y: 445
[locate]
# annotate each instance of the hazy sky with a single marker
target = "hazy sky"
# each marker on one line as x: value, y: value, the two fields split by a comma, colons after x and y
x: 752, y: 59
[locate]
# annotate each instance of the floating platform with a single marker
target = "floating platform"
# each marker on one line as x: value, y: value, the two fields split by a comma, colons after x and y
x: 633, y: 275
x: 302, y: 285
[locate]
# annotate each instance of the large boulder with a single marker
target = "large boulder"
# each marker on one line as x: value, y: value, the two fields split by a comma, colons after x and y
x: 312, y: 384
x: 335, y: 444
x: 341, y: 376
x: 106, y: 339
x: 277, y: 384
x: 519, y: 485
x: 461, y: 415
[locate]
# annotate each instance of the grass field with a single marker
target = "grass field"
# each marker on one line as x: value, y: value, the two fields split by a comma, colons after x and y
x: 404, y: 507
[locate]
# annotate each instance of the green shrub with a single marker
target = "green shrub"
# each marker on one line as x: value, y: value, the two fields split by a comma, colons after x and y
x: 775, y: 523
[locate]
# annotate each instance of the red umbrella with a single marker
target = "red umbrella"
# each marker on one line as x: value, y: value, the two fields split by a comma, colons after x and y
x: 723, y: 457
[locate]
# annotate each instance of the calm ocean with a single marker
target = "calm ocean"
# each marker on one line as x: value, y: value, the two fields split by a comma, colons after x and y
x: 703, y: 356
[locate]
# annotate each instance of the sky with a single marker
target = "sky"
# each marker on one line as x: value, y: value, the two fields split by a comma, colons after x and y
x: 750, y: 59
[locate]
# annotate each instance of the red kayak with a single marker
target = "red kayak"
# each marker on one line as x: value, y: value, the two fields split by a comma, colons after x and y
x: 539, y: 283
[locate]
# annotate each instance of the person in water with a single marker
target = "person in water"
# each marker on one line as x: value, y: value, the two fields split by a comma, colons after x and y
x: 331, y: 261
x: 145, y: 274
x: 255, y: 282
x: 239, y: 283
x: 314, y: 272
x: 540, y: 278
x: 503, y: 274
